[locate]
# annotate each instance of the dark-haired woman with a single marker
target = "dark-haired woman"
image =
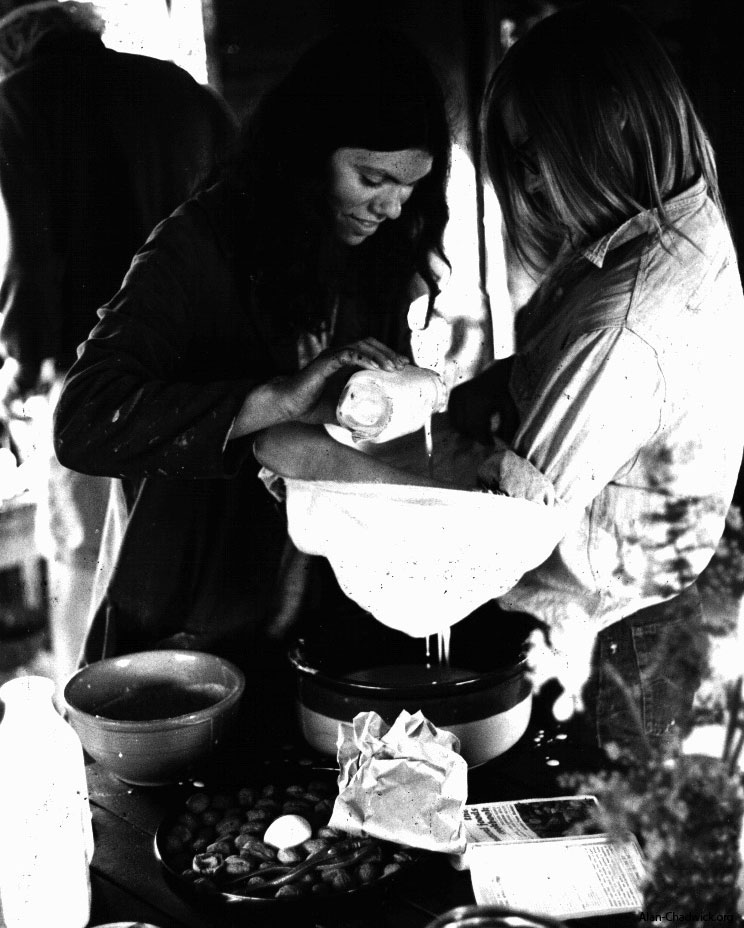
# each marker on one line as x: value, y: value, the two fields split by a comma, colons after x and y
x: 298, y: 263
x: 616, y: 404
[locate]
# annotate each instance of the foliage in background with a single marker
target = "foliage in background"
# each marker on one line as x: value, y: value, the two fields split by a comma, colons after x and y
x: 722, y: 582
x: 686, y: 812
x: 721, y: 588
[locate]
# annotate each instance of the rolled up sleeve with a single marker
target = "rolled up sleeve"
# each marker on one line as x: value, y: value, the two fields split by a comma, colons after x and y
x: 129, y: 407
x: 586, y: 422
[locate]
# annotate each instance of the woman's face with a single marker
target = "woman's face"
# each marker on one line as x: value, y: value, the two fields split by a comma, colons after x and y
x: 367, y: 187
x: 522, y: 147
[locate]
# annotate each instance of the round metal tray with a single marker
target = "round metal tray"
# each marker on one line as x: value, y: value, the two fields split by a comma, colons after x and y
x: 216, y: 895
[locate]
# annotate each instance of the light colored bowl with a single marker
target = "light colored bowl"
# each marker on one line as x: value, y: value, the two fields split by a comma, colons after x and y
x: 150, y: 717
x: 488, y: 711
x: 492, y: 916
x: 126, y: 925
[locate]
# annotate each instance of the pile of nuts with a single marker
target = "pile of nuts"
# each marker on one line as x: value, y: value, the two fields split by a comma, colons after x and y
x: 272, y: 842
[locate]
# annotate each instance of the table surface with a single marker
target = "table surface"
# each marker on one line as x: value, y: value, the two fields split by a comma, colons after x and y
x: 129, y: 882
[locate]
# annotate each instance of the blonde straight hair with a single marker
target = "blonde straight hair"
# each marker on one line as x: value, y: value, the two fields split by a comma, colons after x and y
x: 611, y: 128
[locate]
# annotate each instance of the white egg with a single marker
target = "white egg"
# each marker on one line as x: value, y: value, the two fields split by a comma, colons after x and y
x: 288, y: 831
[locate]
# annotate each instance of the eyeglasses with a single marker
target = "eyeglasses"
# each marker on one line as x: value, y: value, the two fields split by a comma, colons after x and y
x: 525, y: 156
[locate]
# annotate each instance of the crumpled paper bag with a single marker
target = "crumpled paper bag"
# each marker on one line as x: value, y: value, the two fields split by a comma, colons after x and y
x: 406, y: 783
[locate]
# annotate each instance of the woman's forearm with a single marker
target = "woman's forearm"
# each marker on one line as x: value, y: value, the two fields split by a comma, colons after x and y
x: 308, y: 452
x: 115, y: 419
x: 263, y: 408
x: 260, y: 410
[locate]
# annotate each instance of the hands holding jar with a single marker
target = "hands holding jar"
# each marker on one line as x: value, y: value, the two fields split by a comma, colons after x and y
x: 310, y: 395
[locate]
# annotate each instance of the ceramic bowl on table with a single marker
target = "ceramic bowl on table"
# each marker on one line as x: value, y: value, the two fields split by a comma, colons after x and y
x: 125, y: 925
x: 152, y: 716
x: 492, y: 916
x: 488, y: 710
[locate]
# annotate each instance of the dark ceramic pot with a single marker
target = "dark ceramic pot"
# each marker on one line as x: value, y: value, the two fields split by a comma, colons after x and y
x: 488, y: 710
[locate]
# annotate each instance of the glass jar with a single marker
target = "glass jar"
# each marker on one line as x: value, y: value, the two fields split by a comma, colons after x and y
x: 378, y: 406
x: 46, y: 841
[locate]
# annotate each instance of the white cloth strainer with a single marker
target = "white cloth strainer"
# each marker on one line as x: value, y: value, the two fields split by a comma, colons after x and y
x: 420, y: 559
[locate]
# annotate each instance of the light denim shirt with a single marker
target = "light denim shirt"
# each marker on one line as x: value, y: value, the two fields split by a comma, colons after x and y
x: 628, y: 380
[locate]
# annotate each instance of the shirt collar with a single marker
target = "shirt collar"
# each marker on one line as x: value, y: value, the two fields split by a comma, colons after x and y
x: 645, y: 221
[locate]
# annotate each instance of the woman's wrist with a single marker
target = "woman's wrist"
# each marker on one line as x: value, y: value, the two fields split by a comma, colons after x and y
x: 261, y: 408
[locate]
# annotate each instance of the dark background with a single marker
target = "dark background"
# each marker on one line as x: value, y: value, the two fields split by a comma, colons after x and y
x: 252, y: 42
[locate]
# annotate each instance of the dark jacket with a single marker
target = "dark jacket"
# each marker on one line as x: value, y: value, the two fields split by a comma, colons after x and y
x: 96, y: 147
x: 152, y: 398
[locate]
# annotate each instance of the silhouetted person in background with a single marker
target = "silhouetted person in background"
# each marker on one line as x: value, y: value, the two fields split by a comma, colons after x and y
x: 96, y: 147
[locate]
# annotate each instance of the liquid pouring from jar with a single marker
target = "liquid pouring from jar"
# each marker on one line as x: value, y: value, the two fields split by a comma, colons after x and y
x: 379, y: 406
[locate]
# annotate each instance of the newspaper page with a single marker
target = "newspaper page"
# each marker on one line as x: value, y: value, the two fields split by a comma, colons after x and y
x: 523, y: 854
x: 553, y: 817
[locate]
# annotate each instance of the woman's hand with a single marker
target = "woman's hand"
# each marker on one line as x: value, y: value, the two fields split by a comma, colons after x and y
x: 311, y: 395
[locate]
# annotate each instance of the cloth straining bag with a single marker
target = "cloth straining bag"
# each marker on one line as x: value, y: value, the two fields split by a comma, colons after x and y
x: 419, y: 559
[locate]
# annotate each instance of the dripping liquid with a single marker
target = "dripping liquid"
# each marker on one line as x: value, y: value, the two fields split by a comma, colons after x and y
x: 438, y: 649
x: 429, y: 445
x: 438, y: 645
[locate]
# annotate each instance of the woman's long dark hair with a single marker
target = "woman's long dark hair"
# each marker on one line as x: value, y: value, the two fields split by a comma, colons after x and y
x: 610, y: 126
x: 23, y: 27
x: 383, y: 97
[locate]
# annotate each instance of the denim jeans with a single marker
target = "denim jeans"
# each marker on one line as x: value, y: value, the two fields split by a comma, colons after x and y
x: 645, y: 671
